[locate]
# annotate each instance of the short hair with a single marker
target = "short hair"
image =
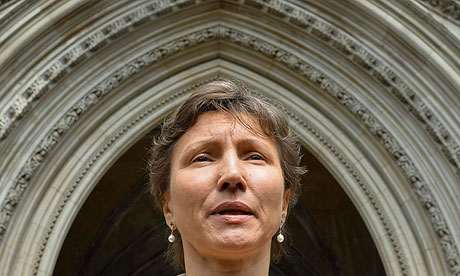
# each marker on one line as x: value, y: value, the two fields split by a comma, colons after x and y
x: 237, y: 99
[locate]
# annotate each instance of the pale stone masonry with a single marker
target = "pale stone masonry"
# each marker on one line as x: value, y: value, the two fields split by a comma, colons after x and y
x: 371, y: 87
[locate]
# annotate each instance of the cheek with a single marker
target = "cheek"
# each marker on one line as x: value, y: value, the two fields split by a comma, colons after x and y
x: 189, y: 189
x: 270, y: 187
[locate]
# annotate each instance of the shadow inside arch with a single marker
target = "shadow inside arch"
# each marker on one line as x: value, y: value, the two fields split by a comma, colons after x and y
x: 118, y: 232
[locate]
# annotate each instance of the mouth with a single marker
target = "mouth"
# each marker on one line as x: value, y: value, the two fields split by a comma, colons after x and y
x: 234, y: 212
x: 233, y: 208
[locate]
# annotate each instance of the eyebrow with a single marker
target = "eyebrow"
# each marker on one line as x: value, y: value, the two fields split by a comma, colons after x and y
x: 254, y: 141
x: 212, y: 141
x: 198, y: 144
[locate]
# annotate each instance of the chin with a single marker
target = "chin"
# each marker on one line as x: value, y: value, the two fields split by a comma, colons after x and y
x: 240, y: 242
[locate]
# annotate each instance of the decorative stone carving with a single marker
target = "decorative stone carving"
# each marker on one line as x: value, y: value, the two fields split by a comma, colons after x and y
x: 383, y: 73
x: 448, y: 8
x: 320, y: 30
x: 317, y: 27
x: 96, y: 40
x: 90, y: 99
x: 371, y: 122
x: 191, y: 40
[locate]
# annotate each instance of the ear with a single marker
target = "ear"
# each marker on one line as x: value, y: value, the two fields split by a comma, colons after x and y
x: 287, y: 195
x: 167, y: 209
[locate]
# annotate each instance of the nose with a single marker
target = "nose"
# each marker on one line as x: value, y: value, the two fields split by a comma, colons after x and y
x: 231, y: 174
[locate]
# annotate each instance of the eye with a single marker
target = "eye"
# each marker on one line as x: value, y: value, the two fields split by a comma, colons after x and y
x: 200, y: 159
x: 256, y: 157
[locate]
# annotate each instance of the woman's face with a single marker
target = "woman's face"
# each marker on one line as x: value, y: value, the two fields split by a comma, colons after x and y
x: 227, y: 193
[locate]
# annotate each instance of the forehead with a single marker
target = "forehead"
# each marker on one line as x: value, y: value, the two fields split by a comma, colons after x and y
x: 214, y: 122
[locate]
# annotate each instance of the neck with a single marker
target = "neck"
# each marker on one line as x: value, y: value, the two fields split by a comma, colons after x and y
x: 249, y: 263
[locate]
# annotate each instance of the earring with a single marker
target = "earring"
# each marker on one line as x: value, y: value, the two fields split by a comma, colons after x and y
x: 171, y: 237
x: 280, y: 237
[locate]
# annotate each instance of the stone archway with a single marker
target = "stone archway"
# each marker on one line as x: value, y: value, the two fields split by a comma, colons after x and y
x: 85, y: 81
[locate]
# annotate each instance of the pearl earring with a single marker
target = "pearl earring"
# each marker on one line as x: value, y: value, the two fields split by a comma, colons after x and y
x: 280, y: 237
x: 171, y: 237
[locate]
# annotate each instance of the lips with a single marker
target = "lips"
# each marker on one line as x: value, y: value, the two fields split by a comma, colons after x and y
x: 234, y: 208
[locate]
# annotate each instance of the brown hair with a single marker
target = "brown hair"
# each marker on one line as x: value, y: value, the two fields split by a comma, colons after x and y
x: 235, y: 98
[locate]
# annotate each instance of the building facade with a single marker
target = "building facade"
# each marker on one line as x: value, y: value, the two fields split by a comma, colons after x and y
x: 372, y: 88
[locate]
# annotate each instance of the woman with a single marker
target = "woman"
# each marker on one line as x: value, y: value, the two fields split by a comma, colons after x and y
x: 224, y: 171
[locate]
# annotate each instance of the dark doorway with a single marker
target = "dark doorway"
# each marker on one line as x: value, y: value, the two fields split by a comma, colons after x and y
x: 118, y: 232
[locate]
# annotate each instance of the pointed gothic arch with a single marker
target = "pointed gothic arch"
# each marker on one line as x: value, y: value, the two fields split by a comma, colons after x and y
x: 106, y: 74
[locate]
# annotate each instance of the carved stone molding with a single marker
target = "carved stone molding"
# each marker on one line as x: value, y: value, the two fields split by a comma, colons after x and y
x: 22, y: 102
x: 449, y: 8
x: 89, y: 100
x: 311, y: 23
x: 419, y: 185
x: 375, y: 67
x: 278, y: 54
